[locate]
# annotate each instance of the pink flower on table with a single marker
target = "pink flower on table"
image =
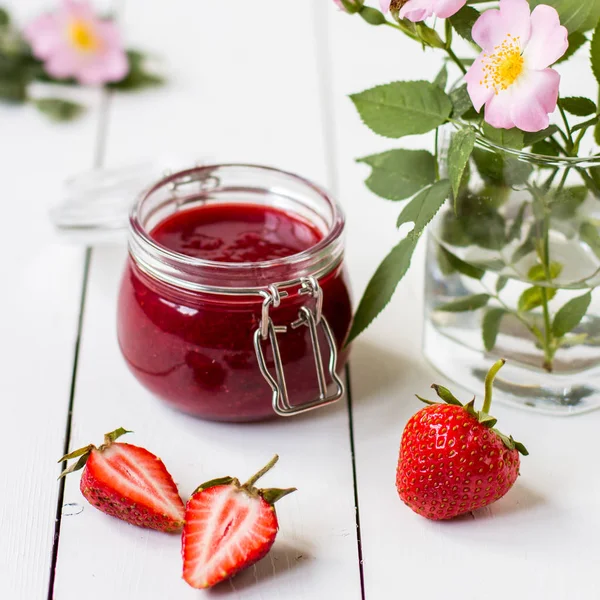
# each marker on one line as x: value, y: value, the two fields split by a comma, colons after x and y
x: 419, y: 10
x: 511, y: 76
x: 74, y: 42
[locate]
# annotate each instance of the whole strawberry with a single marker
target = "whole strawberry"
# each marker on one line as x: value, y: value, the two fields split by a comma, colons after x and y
x: 452, y: 461
x: 129, y: 483
x: 228, y: 527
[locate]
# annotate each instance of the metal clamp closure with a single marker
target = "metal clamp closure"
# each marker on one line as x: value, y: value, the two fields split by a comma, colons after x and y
x: 312, y: 320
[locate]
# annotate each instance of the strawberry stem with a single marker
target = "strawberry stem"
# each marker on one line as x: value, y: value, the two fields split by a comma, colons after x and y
x: 489, y: 383
x: 250, y: 483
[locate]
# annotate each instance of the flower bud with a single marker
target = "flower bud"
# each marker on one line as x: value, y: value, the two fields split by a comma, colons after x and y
x: 349, y: 6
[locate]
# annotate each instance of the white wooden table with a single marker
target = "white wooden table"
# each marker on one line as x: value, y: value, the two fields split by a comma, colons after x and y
x: 263, y: 82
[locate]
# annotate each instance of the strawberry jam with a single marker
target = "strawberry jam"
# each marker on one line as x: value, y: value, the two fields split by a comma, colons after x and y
x: 190, y: 301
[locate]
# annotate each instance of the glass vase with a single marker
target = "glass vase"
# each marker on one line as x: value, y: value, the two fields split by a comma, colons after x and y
x: 512, y: 269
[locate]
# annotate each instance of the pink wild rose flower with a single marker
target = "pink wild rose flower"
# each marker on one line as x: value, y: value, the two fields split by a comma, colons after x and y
x: 511, y: 76
x: 74, y: 42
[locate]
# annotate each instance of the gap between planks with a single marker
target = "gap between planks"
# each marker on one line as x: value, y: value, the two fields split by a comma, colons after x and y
x: 99, y: 153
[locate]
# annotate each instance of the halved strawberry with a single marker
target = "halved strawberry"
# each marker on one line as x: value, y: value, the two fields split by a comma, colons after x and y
x: 129, y: 483
x: 228, y: 527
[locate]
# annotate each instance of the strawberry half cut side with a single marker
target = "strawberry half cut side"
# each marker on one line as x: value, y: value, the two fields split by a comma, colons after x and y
x: 228, y: 527
x: 129, y: 483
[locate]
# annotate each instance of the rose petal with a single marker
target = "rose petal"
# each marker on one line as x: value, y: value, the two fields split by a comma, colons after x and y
x: 416, y: 10
x: 535, y: 96
x: 447, y: 8
x: 63, y: 63
x: 112, y: 66
x: 498, y: 109
x: 548, y: 41
x: 385, y: 5
x: 493, y: 27
x: 478, y: 92
x: 109, y: 33
x: 79, y: 10
x: 43, y: 35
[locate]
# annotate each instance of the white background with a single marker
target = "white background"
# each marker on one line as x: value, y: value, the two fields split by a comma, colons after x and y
x: 266, y: 82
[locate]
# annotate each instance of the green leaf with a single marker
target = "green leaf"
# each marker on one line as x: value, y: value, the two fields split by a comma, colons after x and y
x: 465, y: 304
x: 589, y: 234
x: 537, y: 136
x: 578, y: 106
x: 533, y: 297
x: 111, y: 437
x: 597, y: 133
x: 538, y: 273
x: 13, y: 90
x: 429, y: 36
x: 491, y: 327
x: 567, y: 201
x: 570, y: 315
x: 459, y: 153
x: 215, y: 483
x: 576, y: 40
x: 75, y: 466
x: 424, y: 206
x: 526, y: 247
x: 460, y: 265
x: 76, y: 453
x: 507, y: 138
x: 272, y: 495
x: 59, y: 110
x: 595, y: 52
x: 403, y: 108
x: 461, y: 101
x: 501, y: 168
x: 441, y: 79
x: 464, y: 20
x: 486, y: 420
x: 425, y: 401
x: 382, y: 285
x: 372, y: 16
x: 575, y: 15
x: 138, y: 77
x: 487, y: 230
x: 514, y: 233
x: 544, y: 148
x: 399, y: 174
x: 446, y: 395
x: 454, y: 230
x: 501, y: 283
x: 4, y: 17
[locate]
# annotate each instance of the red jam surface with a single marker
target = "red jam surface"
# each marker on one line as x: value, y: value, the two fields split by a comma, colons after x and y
x: 195, y: 350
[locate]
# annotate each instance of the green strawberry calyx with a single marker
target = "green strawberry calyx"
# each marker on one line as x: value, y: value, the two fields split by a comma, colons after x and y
x: 483, y: 416
x: 270, y: 495
x: 84, y: 453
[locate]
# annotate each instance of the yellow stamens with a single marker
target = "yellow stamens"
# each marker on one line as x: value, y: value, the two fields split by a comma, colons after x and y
x: 82, y: 36
x: 503, y: 66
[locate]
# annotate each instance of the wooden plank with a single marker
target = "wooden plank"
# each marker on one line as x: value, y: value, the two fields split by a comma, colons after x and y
x: 39, y: 308
x: 244, y: 87
x: 538, y: 542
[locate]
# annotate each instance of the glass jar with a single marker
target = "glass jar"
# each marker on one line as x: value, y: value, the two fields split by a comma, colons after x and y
x: 236, y: 341
x: 512, y: 272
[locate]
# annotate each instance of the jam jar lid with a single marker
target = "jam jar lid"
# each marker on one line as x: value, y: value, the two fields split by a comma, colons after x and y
x: 95, y: 204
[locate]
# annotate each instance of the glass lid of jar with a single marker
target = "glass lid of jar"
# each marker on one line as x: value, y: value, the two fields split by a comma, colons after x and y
x: 95, y: 205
